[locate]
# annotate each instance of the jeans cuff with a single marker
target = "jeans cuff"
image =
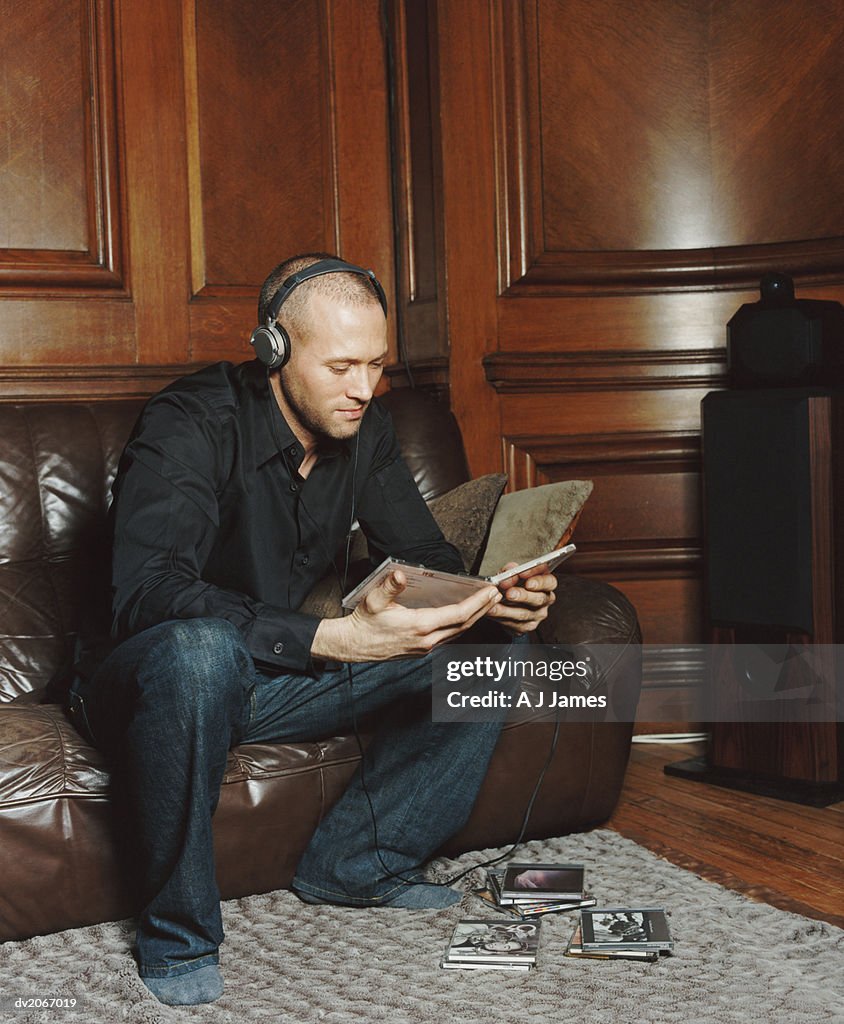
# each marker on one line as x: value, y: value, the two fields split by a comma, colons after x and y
x: 183, y: 967
x: 344, y: 899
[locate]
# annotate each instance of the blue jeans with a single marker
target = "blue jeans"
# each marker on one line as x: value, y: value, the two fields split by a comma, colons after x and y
x: 167, y: 705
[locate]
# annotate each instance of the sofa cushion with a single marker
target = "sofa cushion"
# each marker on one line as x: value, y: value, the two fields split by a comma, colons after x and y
x: 530, y: 522
x: 56, y: 467
x: 465, y: 513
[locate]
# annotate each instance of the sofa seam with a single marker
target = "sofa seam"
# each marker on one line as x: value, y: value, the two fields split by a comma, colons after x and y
x: 32, y: 454
x: 65, y: 793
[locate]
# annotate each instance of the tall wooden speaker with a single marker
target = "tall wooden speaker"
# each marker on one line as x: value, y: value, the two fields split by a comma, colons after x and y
x: 773, y: 482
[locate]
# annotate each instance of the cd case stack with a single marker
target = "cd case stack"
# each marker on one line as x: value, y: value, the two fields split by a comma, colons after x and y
x: 622, y: 933
x: 529, y: 890
x: 492, y: 945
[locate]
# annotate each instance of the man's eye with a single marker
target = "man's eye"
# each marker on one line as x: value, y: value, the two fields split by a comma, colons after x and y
x: 338, y: 369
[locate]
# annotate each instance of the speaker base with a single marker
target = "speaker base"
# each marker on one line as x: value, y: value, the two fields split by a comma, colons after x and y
x: 814, y: 794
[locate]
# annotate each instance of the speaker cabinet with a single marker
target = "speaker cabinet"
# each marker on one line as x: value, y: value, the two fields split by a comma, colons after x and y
x: 774, y: 541
x: 781, y: 341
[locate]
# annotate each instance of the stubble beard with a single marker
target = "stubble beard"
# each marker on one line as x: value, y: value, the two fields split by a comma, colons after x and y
x: 318, y: 424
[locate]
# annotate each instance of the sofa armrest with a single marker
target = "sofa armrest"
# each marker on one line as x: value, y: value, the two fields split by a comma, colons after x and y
x: 593, y: 618
x: 589, y: 611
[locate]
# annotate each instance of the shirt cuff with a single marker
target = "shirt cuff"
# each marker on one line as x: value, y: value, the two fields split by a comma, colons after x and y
x: 283, y: 640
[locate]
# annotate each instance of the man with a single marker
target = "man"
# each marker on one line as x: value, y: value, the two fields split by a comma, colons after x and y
x: 233, y: 496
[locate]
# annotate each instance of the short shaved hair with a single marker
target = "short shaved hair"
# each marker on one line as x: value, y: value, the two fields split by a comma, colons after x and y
x: 351, y: 288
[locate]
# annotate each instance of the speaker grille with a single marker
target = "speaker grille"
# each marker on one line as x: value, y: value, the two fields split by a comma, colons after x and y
x: 757, y: 508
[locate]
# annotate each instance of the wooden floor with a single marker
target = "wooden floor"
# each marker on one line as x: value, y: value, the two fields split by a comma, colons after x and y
x: 781, y: 853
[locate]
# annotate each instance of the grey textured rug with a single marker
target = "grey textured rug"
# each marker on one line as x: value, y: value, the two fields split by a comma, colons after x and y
x: 735, y: 961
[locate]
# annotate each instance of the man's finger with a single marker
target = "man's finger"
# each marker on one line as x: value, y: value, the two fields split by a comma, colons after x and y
x: 527, y: 590
x: 449, y: 632
x: 464, y: 612
x: 510, y: 580
x: 545, y: 582
x: 512, y: 613
x: 528, y: 598
x: 386, y: 591
x: 538, y: 572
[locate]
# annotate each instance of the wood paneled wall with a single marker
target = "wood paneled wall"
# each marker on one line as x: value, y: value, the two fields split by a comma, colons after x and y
x: 159, y: 158
x: 616, y: 177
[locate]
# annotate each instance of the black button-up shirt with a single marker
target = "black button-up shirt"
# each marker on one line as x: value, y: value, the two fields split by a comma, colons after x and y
x: 211, y: 518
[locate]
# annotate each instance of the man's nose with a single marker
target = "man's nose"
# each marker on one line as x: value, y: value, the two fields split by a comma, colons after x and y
x: 361, y: 385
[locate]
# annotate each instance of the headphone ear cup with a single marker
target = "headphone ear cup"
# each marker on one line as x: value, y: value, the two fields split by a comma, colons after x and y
x: 272, y: 345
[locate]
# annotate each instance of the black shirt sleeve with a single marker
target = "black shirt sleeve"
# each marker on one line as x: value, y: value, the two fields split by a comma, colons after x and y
x: 165, y: 519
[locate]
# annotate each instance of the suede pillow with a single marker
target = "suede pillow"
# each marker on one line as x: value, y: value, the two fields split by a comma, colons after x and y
x: 530, y: 522
x: 463, y: 514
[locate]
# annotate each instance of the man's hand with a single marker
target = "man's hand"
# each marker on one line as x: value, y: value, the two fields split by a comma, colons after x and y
x: 380, y: 629
x: 526, y: 599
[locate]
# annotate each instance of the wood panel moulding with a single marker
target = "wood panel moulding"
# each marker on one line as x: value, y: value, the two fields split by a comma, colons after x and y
x: 670, y: 613
x: 416, y: 180
x: 150, y: 37
x: 643, y: 517
x: 530, y: 459
x: 59, y: 177
x: 465, y: 97
x: 603, y: 188
x: 427, y: 374
x: 527, y: 372
x: 95, y: 384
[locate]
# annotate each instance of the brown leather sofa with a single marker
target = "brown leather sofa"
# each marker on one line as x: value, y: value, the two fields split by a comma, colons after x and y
x: 58, y: 867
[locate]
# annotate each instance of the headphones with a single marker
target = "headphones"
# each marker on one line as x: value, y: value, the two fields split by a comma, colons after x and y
x: 270, y: 340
